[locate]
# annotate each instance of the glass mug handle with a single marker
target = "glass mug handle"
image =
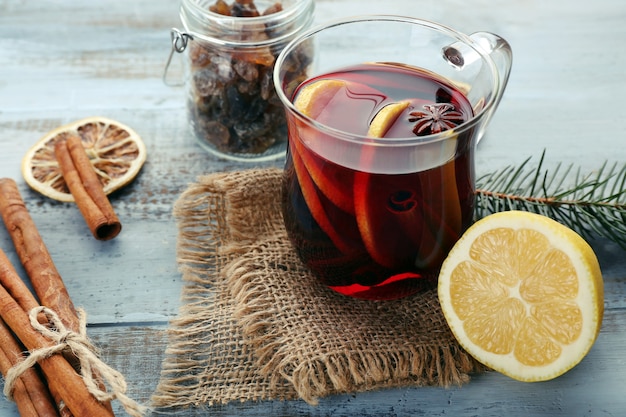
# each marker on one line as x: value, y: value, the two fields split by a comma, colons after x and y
x: 500, y: 52
x: 459, y: 54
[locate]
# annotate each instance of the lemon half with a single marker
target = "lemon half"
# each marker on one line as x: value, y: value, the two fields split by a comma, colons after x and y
x: 523, y: 294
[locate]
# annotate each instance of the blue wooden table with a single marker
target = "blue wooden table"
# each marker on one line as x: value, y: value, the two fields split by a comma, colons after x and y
x: 63, y: 60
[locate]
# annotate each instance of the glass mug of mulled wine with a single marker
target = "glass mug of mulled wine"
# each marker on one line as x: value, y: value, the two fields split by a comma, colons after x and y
x: 379, y: 176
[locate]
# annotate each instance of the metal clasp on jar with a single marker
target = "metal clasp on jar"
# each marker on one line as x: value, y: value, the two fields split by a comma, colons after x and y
x: 179, y: 44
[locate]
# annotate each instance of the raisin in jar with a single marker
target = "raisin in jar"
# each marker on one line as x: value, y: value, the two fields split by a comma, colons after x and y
x: 232, y: 45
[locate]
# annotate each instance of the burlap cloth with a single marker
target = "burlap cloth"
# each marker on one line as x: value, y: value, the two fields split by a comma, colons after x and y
x: 256, y: 325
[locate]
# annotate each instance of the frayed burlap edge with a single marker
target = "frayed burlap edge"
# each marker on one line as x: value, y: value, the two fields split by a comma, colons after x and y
x: 317, y: 370
x: 207, y: 361
x: 219, y: 230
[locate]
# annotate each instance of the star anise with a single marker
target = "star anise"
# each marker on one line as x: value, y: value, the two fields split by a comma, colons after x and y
x: 435, y: 118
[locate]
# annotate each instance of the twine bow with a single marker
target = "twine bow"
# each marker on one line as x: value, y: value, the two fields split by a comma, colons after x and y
x: 80, y: 346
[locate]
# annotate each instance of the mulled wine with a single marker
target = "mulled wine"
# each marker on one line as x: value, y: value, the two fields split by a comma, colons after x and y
x: 374, y: 216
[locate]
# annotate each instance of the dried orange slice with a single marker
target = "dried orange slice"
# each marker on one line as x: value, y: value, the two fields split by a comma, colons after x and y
x: 523, y: 294
x: 116, y: 151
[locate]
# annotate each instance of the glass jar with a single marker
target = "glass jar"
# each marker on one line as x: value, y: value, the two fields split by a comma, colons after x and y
x: 232, y: 106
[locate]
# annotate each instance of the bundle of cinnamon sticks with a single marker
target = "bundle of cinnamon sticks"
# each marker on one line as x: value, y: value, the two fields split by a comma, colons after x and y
x: 54, y: 387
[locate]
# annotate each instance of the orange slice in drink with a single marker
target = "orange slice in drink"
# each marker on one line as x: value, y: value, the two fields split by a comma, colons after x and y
x: 320, y: 101
x: 389, y: 219
x: 442, y: 215
x: 328, y: 180
x: 385, y: 118
x: 422, y: 209
x: 311, y: 102
x: 316, y: 206
x: 315, y: 97
x: 116, y: 152
x: 523, y: 294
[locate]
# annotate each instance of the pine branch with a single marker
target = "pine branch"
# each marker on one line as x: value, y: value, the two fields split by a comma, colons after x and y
x: 593, y: 204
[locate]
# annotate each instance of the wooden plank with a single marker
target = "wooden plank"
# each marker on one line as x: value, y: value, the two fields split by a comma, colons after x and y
x: 589, y: 389
x: 65, y: 60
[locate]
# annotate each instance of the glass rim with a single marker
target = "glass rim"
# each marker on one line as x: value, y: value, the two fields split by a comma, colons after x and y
x: 190, y: 9
x: 386, y: 142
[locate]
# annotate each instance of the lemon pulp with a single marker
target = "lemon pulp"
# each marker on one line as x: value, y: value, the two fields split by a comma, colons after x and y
x: 523, y: 294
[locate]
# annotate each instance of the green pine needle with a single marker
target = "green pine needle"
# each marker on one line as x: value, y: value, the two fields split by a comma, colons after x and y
x: 594, y: 204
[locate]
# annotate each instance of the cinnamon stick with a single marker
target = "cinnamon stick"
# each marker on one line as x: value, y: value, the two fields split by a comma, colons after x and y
x: 58, y: 371
x: 83, y: 183
x: 34, y: 256
x: 30, y: 393
x: 14, y: 285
